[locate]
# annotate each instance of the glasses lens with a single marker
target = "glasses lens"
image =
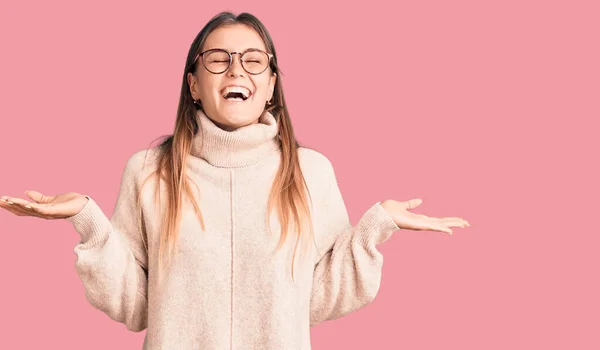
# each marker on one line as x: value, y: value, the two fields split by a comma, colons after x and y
x: 255, y: 62
x: 216, y: 61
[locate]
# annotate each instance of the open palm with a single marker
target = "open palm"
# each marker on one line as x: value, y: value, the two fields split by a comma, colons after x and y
x: 404, y: 219
x: 46, y: 207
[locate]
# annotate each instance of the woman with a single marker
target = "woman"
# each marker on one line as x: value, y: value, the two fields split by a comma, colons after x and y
x: 229, y: 234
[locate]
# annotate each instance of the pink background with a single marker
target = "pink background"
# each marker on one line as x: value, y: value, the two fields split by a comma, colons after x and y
x: 482, y: 109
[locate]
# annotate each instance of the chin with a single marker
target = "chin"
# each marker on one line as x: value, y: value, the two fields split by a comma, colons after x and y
x: 233, y: 119
x: 238, y: 113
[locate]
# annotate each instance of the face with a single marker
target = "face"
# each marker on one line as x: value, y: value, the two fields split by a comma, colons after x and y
x: 207, y: 87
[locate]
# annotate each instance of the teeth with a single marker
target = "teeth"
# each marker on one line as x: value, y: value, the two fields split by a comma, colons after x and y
x: 239, y: 89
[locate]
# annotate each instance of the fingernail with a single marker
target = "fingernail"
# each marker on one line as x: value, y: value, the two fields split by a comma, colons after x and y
x: 9, y: 202
x: 28, y: 206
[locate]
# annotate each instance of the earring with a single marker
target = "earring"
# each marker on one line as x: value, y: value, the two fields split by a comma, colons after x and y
x: 197, y: 102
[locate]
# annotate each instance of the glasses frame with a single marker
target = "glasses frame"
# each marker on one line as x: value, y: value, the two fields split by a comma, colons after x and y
x: 241, y: 54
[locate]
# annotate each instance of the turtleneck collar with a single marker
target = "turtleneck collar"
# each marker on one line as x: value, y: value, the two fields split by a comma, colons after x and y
x: 243, y: 146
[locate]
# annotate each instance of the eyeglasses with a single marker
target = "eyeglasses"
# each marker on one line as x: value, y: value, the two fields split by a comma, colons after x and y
x: 217, y: 61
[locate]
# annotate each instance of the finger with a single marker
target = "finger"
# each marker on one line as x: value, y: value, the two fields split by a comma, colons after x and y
x: 454, y: 222
x: 14, y: 208
x: 432, y: 225
x: 18, y: 201
x: 449, y: 221
x: 413, y: 203
x: 7, y: 199
x: 24, y: 207
x: 436, y: 227
x: 458, y: 220
x: 441, y: 228
x: 27, y: 209
x: 38, y: 197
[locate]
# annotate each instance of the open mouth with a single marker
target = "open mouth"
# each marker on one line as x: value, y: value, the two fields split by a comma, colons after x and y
x: 236, y: 93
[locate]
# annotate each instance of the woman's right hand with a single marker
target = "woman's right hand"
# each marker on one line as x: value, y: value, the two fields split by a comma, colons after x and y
x: 61, y: 206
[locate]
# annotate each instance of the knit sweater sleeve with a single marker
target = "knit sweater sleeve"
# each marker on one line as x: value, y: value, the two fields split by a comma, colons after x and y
x: 347, y: 275
x: 111, y: 260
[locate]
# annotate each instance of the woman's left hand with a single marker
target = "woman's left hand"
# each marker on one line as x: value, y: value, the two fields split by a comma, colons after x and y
x: 404, y: 219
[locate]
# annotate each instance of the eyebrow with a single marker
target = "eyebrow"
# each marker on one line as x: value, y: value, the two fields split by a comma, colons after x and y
x: 246, y: 49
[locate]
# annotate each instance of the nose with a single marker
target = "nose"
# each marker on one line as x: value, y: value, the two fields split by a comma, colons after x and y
x: 236, y: 69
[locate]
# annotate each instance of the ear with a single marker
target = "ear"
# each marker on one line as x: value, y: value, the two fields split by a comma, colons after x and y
x: 193, y: 84
x: 272, y: 82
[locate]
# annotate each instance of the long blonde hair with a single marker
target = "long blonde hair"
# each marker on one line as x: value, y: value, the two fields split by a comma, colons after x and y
x: 289, y: 193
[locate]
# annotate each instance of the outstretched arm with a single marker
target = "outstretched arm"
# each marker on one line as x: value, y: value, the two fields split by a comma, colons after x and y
x: 112, y: 259
x: 348, y: 273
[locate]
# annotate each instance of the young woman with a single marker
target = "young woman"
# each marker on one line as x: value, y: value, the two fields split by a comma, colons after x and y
x: 229, y: 234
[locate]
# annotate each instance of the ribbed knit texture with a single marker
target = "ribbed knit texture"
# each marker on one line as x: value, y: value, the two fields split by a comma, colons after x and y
x: 228, y: 287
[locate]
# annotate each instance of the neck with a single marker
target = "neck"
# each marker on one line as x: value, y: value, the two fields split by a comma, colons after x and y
x: 229, y: 127
x: 234, y: 148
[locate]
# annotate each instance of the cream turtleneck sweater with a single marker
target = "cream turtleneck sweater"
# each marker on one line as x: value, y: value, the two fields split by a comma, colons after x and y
x: 228, y: 288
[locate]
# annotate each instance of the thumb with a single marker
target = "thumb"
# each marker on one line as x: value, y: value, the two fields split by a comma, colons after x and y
x: 413, y: 203
x: 38, y: 197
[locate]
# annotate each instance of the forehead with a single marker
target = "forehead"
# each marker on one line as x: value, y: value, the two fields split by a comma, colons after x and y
x: 236, y: 37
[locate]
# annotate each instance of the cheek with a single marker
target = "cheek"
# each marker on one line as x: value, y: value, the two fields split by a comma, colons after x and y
x: 208, y: 85
x: 262, y: 88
